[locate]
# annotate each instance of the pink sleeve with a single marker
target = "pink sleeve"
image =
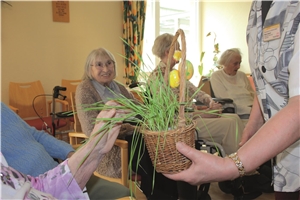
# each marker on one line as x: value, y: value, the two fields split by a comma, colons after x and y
x: 59, y: 182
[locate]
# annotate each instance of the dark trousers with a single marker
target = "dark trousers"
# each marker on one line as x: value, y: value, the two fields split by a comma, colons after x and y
x: 287, y: 195
x: 164, y: 188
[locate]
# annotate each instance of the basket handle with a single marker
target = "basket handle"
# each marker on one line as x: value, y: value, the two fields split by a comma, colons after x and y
x: 182, y: 72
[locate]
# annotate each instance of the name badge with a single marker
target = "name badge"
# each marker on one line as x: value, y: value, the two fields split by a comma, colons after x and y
x: 271, y: 32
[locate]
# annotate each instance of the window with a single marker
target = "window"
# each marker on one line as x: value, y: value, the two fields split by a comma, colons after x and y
x: 167, y: 17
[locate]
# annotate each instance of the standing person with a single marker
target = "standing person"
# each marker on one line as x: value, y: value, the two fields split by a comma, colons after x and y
x: 229, y: 82
x: 274, y: 63
x: 23, y: 147
x: 273, y: 127
x: 225, y: 130
x: 68, y: 179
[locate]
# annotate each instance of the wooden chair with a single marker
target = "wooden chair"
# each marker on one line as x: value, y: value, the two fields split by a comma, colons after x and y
x: 24, y: 97
x: 77, y: 136
x: 205, y: 84
x: 71, y: 86
x: 136, y: 95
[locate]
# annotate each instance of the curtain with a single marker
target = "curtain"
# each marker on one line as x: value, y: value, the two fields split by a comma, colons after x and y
x: 133, y: 35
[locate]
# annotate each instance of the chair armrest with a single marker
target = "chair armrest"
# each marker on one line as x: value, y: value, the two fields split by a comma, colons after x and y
x: 16, y: 110
x: 121, y: 143
x: 64, y: 103
x: 79, y: 135
x: 73, y: 136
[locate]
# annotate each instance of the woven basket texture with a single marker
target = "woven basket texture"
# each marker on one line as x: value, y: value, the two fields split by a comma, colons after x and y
x: 162, y: 148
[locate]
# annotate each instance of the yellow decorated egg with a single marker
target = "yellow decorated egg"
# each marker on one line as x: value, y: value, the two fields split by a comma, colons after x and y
x: 189, y: 70
x: 174, y: 78
x: 177, y: 55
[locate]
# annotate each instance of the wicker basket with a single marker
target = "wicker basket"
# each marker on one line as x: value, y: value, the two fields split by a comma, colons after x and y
x: 162, y: 145
x: 162, y: 148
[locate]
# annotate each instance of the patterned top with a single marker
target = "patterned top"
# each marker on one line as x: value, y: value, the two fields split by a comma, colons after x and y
x: 275, y: 68
x: 200, y: 96
x: 57, y: 183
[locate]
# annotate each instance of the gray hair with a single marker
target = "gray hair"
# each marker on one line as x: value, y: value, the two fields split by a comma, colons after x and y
x: 227, y: 56
x: 96, y: 53
x: 162, y: 44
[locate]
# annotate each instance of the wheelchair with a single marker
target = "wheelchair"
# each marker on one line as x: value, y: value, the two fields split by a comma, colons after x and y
x: 227, y: 103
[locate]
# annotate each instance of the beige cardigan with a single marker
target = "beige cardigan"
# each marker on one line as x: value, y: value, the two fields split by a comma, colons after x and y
x: 86, y: 94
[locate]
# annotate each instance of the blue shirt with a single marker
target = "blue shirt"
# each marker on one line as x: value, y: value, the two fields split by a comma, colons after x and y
x: 26, y: 149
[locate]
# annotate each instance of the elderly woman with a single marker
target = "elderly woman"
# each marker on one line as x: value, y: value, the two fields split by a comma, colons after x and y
x: 229, y: 82
x: 98, y: 85
x: 68, y: 179
x: 225, y: 130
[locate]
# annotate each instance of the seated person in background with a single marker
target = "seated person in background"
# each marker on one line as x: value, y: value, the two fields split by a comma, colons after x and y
x: 225, y: 130
x: 31, y: 152
x: 69, y: 178
x: 228, y: 82
x: 96, y: 86
x: 98, y: 81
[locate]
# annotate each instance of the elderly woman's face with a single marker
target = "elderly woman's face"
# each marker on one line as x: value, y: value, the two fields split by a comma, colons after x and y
x: 103, y: 70
x: 234, y: 65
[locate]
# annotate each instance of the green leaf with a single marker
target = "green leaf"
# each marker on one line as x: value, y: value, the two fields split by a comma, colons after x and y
x: 200, y: 69
x: 202, y: 55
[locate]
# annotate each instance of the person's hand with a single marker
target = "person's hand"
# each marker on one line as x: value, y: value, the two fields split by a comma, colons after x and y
x: 108, y: 136
x: 205, y: 167
x: 126, y: 129
x: 247, y: 134
x: 250, y: 129
x: 215, y: 106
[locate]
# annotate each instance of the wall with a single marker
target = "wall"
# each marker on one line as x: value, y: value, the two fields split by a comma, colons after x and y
x: 34, y: 47
x: 229, y: 22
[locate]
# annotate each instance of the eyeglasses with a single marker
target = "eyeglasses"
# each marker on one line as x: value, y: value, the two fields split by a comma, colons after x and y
x: 109, y: 64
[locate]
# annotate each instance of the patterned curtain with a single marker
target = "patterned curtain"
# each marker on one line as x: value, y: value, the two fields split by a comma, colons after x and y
x: 133, y: 35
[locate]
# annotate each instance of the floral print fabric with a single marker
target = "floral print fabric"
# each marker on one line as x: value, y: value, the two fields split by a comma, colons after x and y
x: 57, y: 183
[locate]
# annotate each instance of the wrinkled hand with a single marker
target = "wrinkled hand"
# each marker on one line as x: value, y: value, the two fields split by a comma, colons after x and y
x: 215, y: 106
x: 108, y: 138
x: 126, y: 129
x: 205, y: 167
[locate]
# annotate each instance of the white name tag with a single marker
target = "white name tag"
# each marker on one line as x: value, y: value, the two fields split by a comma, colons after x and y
x: 271, y: 32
